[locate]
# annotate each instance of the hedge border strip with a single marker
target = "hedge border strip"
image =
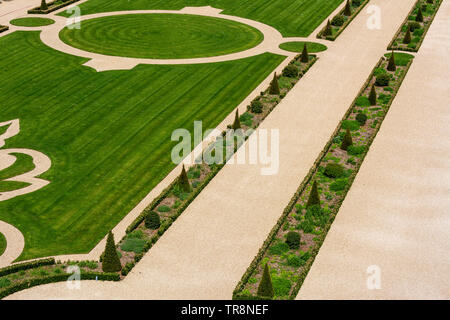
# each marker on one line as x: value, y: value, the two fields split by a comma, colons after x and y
x: 3, y: 28
x: 37, y: 10
x: 26, y: 284
x: 26, y: 265
x: 272, y: 235
x: 405, y: 22
x: 345, y: 25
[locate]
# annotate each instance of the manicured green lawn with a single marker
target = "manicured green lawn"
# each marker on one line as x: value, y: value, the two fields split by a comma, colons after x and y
x: 290, y: 17
x: 32, y: 22
x: 107, y: 133
x: 162, y: 36
x: 298, y: 46
x: 2, y: 243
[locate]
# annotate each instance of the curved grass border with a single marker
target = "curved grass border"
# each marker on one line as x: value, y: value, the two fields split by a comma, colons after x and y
x: 3, y: 244
x: 32, y: 22
x: 285, y: 46
x: 346, y: 23
x: 237, y: 293
x: 405, y: 22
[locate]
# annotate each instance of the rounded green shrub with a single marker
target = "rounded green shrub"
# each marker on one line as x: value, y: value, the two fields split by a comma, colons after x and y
x: 414, y: 26
x: 338, y: 21
x: 293, y: 240
x: 361, y: 118
x: 152, y: 220
x: 290, y: 71
x: 256, y: 106
x: 382, y: 80
x: 334, y: 170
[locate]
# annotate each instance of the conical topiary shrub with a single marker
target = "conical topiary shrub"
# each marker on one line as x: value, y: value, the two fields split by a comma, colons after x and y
x: 274, y: 88
x: 419, y: 17
x: 236, y: 123
x: 328, y: 30
x: 347, y: 9
x: 407, y: 37
x: 373, y: 96
x: 183, y: 181
x: 347, y: 141
x: 265, y: 288
x: 43, y: 5
x: 391, y: 65
x: 152, y: 220
x: 305, y: 56
x: 110, y: 260
x: 314, y: 198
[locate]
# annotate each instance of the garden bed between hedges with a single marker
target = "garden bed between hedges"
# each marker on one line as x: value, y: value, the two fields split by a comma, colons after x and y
x: 289, y: 266
x: 418, y: 29
x: 341, y: 21
x: 52, y: 6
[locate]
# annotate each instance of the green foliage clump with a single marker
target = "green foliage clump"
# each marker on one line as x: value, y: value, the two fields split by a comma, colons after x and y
x: 237, y: 123
x: 110, y: 260
x: 133, y: 245
x: 419, y: 16
x: 152, y: 220
x: 328, y: 30
x: 391, y: 65
x: 290, y: 71
x: 338, y: 185
x: 304, y: 57
x: 407, y: 37
x: 347, y: 9
x: 294, y: 260
x: 338, y: 21
x: 4, y: 282
x: 382, y: 80
x: 265, y: 288
x: 279, y: 248
x: 43, y: 5
x: 361, y: 118
x: 293, y: 240
x: 282, y: 286
x: 183, y: 181
x: 274, y: 87
x: 413, y: 26
x: 351, y: 125
x: 314, y: 198
x: 356, y: 150
x: 362, y: 101
x: 334, y: 170
x: 347, y: 140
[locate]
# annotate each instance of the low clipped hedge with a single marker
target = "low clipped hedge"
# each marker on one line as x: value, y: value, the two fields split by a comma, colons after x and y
x: 56, y: 278
x: 3, y: 28
x: 52, y: 6
x: 26, y: 265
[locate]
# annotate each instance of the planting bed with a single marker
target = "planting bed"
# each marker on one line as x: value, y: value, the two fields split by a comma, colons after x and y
x: 412, y: 32
x: 334, y: 172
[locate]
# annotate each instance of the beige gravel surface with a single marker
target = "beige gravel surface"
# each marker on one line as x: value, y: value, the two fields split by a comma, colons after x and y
x: 204, y: 254
x: 396, y: 215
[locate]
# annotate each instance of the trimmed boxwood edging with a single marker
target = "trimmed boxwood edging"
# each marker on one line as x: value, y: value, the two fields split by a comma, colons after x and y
x: 237, y: 293
x: 346, y: 23
x: 26, y: 265
x: 3, y: 28
x: 52, y: 6
x: 56, y: 278
x: 406, y: 22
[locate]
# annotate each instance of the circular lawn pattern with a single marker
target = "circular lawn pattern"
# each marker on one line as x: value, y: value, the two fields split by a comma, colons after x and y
x: 2, y: 243
x: 32, y: 22
x: 162, y: 36
x: 297, y: 46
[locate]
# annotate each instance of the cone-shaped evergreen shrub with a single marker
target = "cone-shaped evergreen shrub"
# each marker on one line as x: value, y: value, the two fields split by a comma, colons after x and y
x: 407, y: 37
x: 419, y: 17
x: 391, y: 65
x: 373, y: 96
x: 328, y: 31
x: 314, y: 198
x: 274, y: 88
x: 237, y: 123
x: 265, y: 288
x: 43, y: 5
x: 110, y: 261
x: 183, y: 181
x: 347, y: 141
x: 305, y: 56
x: 293, y: 240
x: 348, y: 9
x: 152, y: 220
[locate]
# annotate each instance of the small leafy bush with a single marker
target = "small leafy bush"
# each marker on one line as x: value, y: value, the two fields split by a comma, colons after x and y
x: 163, y: 209
x: 382, y: 80
x: 338, y: 21
x: 256, y: 106
x: 294, y: 260
x: 361, y: 118
x: 290, y: 71
x: 338, y: 185
x: 351, y: 125
x: 334, y: 170
x: 281, y: 286
x: 293, y: 240
x: 414, y: 26
x: 279, y: 248
x: 356, y: 150
x: 362, y: 101
x: 152, y: 220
